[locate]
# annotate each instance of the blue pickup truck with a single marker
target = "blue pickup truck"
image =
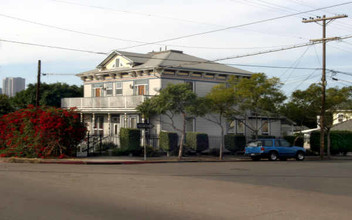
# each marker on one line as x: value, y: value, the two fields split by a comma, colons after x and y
x: 273, y: 149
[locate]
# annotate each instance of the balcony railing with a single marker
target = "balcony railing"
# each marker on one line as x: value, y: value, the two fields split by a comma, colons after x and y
x: 110, y: 102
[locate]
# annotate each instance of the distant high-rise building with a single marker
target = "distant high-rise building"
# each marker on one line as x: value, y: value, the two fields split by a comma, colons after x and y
x: 13, y: 85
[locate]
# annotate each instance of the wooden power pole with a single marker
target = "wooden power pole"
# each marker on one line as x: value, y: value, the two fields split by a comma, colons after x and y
x: 37, y: 94
x: 324, y: 20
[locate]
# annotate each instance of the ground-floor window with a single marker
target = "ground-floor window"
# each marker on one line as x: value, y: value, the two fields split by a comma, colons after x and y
x: 98, y: 127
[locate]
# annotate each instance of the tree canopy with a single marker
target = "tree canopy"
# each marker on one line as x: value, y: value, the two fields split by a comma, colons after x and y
x: 304, y: 105
x: 5, y: 105
x: 50, y: 94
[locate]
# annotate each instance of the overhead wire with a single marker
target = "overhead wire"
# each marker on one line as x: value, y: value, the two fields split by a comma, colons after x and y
x: 235, y: 26
x: 127, y: 40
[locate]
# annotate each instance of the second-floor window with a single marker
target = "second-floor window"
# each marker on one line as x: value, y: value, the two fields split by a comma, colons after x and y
x: 108, y: 89
x: 340, y: 117
x: 265, y: 127
x: 97, y: 89
x: 141, y: 87
x: 119, y: 88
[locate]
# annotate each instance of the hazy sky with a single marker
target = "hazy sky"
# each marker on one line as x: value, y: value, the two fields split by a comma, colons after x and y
x: 119, y: 24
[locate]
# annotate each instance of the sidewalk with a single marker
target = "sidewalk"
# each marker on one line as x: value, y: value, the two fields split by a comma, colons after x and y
x: 139, y: 160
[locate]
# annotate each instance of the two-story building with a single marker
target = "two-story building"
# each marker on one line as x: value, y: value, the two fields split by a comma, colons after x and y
x: 123, y: 80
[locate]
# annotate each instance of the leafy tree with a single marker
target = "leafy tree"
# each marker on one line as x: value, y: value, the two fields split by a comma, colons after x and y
x: 50, y: 94
x: 5, y: 105
x: 218, y: 107
x: 174, y: 100
x: 256, y: 96
x: 305, y: 105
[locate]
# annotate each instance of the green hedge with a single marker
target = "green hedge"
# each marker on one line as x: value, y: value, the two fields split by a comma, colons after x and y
x: 265, y: 137
x: 130, y: 138
x: 235, y: 142
x: 168, y: 141
x: 341, y: 142
x: 291, y: 139
x: 197, y: 141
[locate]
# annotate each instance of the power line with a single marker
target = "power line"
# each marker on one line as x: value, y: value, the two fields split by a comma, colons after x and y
x: 126, y: 40
x: 186, y: 61
x: 53, y: 47
x: 136, y: 13
x: 235, y: 26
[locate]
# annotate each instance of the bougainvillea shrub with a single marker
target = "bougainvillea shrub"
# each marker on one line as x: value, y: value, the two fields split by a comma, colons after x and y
x: 40, y: 132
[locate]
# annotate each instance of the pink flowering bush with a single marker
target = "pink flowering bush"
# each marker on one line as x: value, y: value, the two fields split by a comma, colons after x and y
x: 40, y: 132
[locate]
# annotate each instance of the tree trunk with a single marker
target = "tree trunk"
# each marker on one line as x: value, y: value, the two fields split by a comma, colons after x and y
x: 328, y: 143
x: 221, y: 152
x: 180, y: 151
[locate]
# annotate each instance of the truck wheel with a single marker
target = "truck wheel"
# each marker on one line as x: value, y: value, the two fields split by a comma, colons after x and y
x: 255, y: 158
x: 272, y: 156
x: 300, y: 156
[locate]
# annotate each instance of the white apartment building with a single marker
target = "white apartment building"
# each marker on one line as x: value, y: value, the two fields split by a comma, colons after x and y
x: 124, y: 80
x: 13, y: 85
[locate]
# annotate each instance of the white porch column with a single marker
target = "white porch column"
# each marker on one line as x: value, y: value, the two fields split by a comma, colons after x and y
x: 125, y: 120
x: 93, y: 123
x: 81, y: 117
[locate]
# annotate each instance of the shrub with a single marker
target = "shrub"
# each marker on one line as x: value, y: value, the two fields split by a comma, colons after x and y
x: 197, y: 141
x: 41, y: 132
x: 235, y: 142
x: 341, y: 142
x: 168, y: 141
x: 108, y: 145
x: 151, y: 152
x: 291, y: 139
x: 130, y: 138
x: 265, y: 137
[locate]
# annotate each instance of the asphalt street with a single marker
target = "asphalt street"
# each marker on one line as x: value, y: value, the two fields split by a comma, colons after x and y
x: 230, y: 190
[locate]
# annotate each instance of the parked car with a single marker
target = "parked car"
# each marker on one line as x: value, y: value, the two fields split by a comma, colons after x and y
x: 273, y: 149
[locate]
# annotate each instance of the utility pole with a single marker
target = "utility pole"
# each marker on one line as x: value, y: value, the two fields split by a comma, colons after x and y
x: 324, y: 20
x: 37, y: 94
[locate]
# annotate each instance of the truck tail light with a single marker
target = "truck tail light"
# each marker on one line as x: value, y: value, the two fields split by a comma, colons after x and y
x: 262, y: 148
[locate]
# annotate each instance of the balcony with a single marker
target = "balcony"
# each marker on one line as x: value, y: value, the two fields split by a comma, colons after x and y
x: 110, y: 103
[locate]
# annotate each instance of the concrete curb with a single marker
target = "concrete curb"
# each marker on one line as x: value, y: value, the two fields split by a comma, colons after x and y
x: 127, y: 162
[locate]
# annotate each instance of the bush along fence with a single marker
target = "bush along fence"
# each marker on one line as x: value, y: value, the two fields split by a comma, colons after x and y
x: 341, y: 142
x: 168, y: 141
x: 40, y: 132
x: 197, y: 141
x: 235, y: 142
x: 294, y: 140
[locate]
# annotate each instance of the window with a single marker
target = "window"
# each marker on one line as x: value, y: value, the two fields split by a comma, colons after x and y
x: 240, y: 127
x: 191, y: 85
x: 268, y: 143
x: 117, y: 62
x: 265, y: 127
x: 340, y: 117
x: 97, y: 89
x: 231, y: 127
x: 133, y: 122
x: 119, y: 88
x: 108, y: 89
x: 141, y: 87
x: 98, y: 125
x: 189, y: 124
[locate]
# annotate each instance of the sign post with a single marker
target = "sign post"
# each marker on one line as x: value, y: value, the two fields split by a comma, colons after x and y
x: 144, y: 126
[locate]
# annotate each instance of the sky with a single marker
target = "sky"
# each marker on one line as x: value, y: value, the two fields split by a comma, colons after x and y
x: 103, y: 26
